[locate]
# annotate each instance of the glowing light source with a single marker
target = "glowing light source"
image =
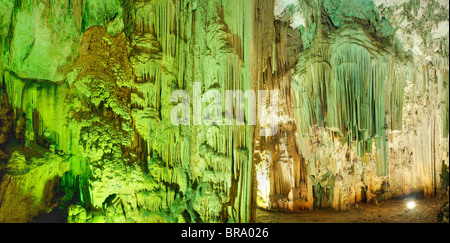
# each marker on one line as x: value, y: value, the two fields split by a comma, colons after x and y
x: 411, y: 205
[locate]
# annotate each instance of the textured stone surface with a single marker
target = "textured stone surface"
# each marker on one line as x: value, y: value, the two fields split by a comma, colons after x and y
x: 102, y: 96
x: 443, y: 214
x: 362, y: 107
x: 28, y: 188
x: 371, y: 91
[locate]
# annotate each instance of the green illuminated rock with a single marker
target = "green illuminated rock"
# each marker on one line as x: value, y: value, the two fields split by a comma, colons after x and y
x: 29, y: 186
x: 86, y: 85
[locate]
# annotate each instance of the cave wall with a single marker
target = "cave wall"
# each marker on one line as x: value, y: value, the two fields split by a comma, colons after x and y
x: 93, y: 80
x: 86, y: 106
x: 370, y: 89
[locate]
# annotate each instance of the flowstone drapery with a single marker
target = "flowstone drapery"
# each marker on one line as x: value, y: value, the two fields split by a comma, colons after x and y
x: 371, y: 106
x: 86, y: 106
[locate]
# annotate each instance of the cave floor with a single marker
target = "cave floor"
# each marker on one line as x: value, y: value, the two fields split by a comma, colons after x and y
x: 392, y: 211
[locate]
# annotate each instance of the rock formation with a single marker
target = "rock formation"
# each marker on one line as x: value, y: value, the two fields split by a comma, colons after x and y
x: 371, y: 102
x: 87, y: 106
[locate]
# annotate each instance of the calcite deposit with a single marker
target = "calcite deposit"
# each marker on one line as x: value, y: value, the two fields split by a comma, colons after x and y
x: 357, y: 106
x: 371, y: 105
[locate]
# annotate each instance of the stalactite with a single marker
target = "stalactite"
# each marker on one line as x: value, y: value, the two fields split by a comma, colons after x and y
x: 358, y: 116
x: 169, y: 53
x: 353, y: 99
x: 353, y: 108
